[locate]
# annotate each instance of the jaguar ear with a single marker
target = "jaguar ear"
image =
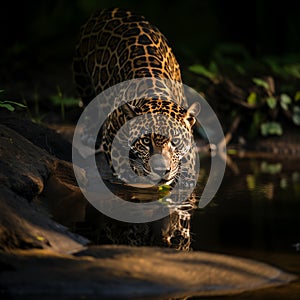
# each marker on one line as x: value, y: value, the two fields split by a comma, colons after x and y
x: 192, y: 112
x: 129, y: 110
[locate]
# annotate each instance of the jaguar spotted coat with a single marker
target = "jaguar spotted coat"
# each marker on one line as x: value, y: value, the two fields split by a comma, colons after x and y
x: 115, y: 46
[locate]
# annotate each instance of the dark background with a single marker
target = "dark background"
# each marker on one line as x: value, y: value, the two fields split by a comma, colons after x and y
x: 38, y: 37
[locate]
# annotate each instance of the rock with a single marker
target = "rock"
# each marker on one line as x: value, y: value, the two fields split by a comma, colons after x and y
x: 39, y: 135
x: 122, y: 272
x: 26, y: 172
x: 62, y: 196
x: 23, y: 166
x: 26, y: 225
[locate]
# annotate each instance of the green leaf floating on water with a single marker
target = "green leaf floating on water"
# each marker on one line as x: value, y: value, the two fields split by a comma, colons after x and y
x: 163, y: 190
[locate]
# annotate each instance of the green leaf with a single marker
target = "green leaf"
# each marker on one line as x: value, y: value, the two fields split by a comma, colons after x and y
x: 164, y: 187
x: 1, y: 91
x: 66, y: 101
x: 296, y: 115
x: 164, y: 190
x: 252, y: 98
x: 271, y: 101
x: 201, y: 70
x: 10, y: 105
x: 56, y: 100
x: 297, y: 96
x: 270, y: 128
x: 15, y: 104
x: 261, y: 82
x: 70, y: 101
x: 285, y: 100
x: 7, y: 106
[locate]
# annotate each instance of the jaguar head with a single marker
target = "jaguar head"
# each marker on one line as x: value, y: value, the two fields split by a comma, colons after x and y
x: 159, y: 139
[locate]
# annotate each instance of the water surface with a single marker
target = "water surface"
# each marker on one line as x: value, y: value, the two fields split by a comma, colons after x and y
x: 256, y: 214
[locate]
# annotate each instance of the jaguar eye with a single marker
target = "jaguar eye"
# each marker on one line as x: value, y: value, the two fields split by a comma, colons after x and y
x: 146, y: 140
x: 175, y: 141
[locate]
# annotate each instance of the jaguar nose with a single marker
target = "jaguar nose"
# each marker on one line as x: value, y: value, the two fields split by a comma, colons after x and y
x: 159, y: 164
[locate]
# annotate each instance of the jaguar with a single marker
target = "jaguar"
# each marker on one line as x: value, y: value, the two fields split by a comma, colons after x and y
x: 117, y: 46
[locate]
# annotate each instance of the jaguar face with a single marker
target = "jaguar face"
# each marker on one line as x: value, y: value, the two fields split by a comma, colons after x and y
x: 155, y: 156
x: 157, y: 152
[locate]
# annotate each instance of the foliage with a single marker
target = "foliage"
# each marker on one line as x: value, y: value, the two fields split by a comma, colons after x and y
x: 271, y: 101
x: 270, y: 86
x: 10, y: 105
x: 211, y: 72
x: 261, y: 82
x: 271, y: 128
x: 252, y: 99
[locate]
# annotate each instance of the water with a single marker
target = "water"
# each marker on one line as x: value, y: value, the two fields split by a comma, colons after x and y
x: 257, y: 207
x: 256, y: 214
